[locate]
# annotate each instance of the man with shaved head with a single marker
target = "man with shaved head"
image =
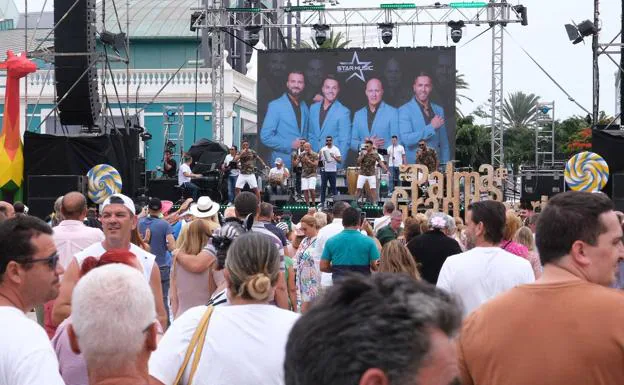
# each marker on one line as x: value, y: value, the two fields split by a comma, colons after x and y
x: 70, y: 237
x: 377, y: 121
x: 7, y: 210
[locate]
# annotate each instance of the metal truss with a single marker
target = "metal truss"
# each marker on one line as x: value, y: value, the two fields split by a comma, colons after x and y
x: 496, y: 14
x: 544, y: 134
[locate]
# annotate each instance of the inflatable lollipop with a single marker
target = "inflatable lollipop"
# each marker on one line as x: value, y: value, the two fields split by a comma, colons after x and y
x: 586, y: 171
x: 104, y: 180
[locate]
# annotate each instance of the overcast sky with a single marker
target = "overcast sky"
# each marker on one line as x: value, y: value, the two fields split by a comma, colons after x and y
x: 544, y: 38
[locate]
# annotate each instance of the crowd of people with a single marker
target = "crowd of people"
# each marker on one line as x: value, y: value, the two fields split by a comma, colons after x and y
x: 252, y: 296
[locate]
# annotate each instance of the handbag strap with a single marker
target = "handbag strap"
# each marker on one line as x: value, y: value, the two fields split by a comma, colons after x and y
x: 196, y: 345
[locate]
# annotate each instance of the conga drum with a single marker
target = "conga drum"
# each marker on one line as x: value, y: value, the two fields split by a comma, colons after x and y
x: 352, y: 176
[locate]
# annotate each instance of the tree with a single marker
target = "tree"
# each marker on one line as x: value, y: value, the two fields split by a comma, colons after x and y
x: 519, y: 109
x: 472, y: 143
x: 337, y: 40
x: 460, y: 84
x: 519, y: 146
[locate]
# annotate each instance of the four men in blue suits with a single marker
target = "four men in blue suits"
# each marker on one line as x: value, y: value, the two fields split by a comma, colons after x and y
x: 420, y: 119
x: 378, y: 121
x: 286, y: 120
x: 330, y: 118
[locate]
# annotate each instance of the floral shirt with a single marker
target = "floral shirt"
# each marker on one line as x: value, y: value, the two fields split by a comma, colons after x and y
x: 368, y: 163
x: 309, y: 161
x: 308, y: 270
x: 248, y: 161
x: 428, y: 158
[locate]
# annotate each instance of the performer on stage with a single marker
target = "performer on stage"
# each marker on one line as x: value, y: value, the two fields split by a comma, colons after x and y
x: 247, y: 158
x: 330, y: 157
x: 427, y: 156
x: 278, y: 176
x: 185, y: 175
x: 296, y: 165
x: 368, y: 160
x: 231, y: 171
x: 309, y: 162
x: 169, y: 165
x: 396, y: 157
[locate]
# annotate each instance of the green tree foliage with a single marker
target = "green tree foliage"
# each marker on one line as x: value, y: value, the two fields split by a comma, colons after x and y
x: 519, y: 109
x: 473, y: 143
x: 334, y: 40
x: 460, y: 84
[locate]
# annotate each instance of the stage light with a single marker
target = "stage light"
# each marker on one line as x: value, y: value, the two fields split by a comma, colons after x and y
x: 544, y: 109
x: 145, y: 136
x: 386, y: 32
x: 456, y: 30
x: 468, y: 5
x: 114, y: 40
x: 320, y: 33
x: 521, y: 10
x: 195, y: 16
x: 576, y: 33
x: 397, y: 6
x: 253, y: 34
x: 301, y: 8
x: 242, y: 9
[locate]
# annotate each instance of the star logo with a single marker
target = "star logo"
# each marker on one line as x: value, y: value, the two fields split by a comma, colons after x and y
x: 358, y: 67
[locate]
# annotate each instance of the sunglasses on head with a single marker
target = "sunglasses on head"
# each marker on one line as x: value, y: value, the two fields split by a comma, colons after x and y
x: 52, y: 260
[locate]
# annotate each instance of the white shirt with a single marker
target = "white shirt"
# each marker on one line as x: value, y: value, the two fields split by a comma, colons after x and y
x: 245, y: 344
x: 380, y: 222
x: 278, y: 172
x: 229, y: 158
x: 395, y: 155
x: 324, y: 234
x: 71, y: 237
x: 184, y: 168
x: 26, y: 355
x: 326, y: 156
x: 96, y: 250
x: 481, y: 273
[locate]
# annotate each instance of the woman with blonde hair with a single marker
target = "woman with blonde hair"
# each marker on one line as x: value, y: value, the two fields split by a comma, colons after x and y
x: 396, y: 258
x: 244, y: 343
x: 307, y: 259
x: 512, y: 224
x: 189, y: 289
x: 524, y: 236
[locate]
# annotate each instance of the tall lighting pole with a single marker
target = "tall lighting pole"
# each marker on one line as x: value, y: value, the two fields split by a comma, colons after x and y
x: 596, y: 72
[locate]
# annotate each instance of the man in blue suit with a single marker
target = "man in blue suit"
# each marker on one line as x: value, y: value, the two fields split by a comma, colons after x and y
x: 378, y: 121
x: 420, y: 119
x: 330, y: 118
x: 286, y: 120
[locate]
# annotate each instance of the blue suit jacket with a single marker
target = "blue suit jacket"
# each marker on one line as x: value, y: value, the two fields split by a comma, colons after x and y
x: 337, y: 123
x: 385, y: 124
x: 280, y: 128
x: 412, y: 129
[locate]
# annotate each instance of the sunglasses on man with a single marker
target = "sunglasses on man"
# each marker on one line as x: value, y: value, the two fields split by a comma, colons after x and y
x: 52, y: 260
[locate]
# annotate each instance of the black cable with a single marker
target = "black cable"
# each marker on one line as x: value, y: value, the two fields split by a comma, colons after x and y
x: 474, y: 38
x: 236, y: 37
x: 110, y: 70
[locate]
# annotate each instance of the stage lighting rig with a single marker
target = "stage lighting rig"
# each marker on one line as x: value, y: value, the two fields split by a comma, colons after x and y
x: 456, y: 30
x: 117, y: 41
x: 320, y: 33
x: 576, y: 33
x: 386, y: 32
x: 253, y: 34
x: 195, y: 19
x: 521, y: 10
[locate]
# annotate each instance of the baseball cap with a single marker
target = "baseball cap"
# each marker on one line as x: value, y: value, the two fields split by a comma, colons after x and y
x: 119, y: 199
x: 154, y: 204
x: 278, y: 161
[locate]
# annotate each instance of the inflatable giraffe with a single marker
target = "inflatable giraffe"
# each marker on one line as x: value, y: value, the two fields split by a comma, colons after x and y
x: 11, y: 153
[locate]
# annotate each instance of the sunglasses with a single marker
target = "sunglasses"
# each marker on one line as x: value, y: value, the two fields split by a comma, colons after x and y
x: 52, y: 260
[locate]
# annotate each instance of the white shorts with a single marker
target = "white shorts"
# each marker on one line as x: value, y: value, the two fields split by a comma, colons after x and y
x: 308, y: 183
x: 362, y: 179
x: 250, y: 179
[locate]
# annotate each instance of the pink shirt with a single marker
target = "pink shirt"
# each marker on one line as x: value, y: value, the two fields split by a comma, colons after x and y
x: 522, y: 251
x: 72, y: 366
x: 71, y: 237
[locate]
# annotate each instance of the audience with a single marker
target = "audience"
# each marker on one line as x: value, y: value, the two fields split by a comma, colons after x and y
x: 308, y: 272
x: 396, y: 258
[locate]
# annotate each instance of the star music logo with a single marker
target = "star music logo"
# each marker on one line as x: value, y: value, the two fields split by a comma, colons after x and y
x: 358, y: 67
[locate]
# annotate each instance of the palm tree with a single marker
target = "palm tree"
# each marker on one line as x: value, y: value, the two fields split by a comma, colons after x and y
x: 519, y: 110
x: 332, y: 41
x: 473, y: 143
x: 460, y: 84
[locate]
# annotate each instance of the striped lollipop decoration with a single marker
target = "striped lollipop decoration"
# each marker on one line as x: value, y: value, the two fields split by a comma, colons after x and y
x: 104, y: 180
x: 586, y: 171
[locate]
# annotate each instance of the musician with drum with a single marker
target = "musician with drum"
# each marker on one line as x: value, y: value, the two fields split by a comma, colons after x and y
x: 309, y: 162
x: 278, y: 176
x: 296, y: 165
x: 368, y: 160
x: 247, y: 158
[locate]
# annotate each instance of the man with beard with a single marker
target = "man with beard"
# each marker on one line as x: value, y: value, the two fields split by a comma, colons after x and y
x: 377, y: 121
x: 330, y: 118
x: 314, y: 81
x: 286, y: 120
x: 421, y: 119
x: 485, y: 270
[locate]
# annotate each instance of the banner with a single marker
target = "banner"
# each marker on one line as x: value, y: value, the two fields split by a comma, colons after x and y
x: 354, y: 95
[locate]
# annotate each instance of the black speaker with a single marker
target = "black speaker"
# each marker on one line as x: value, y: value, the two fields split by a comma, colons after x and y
x: 165, y: 189
x: 535, y: 186
x: 617, y: 186
x: 41, y: 207
x: 53, y: 186
x: 344, y: 197
x: 75, y: 35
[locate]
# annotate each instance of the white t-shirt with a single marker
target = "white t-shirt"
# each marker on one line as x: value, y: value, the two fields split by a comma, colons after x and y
x: 26, y: 355
x: 229, y: 158
x: 96, y: 250
x: 245, y: 344
x: 380, y: 222
x: 184, y: 168
x: 278, y: 172
x: 395, y: 155
x: 481, y: 273
x: 324, y: 234
x: 331, y: 165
